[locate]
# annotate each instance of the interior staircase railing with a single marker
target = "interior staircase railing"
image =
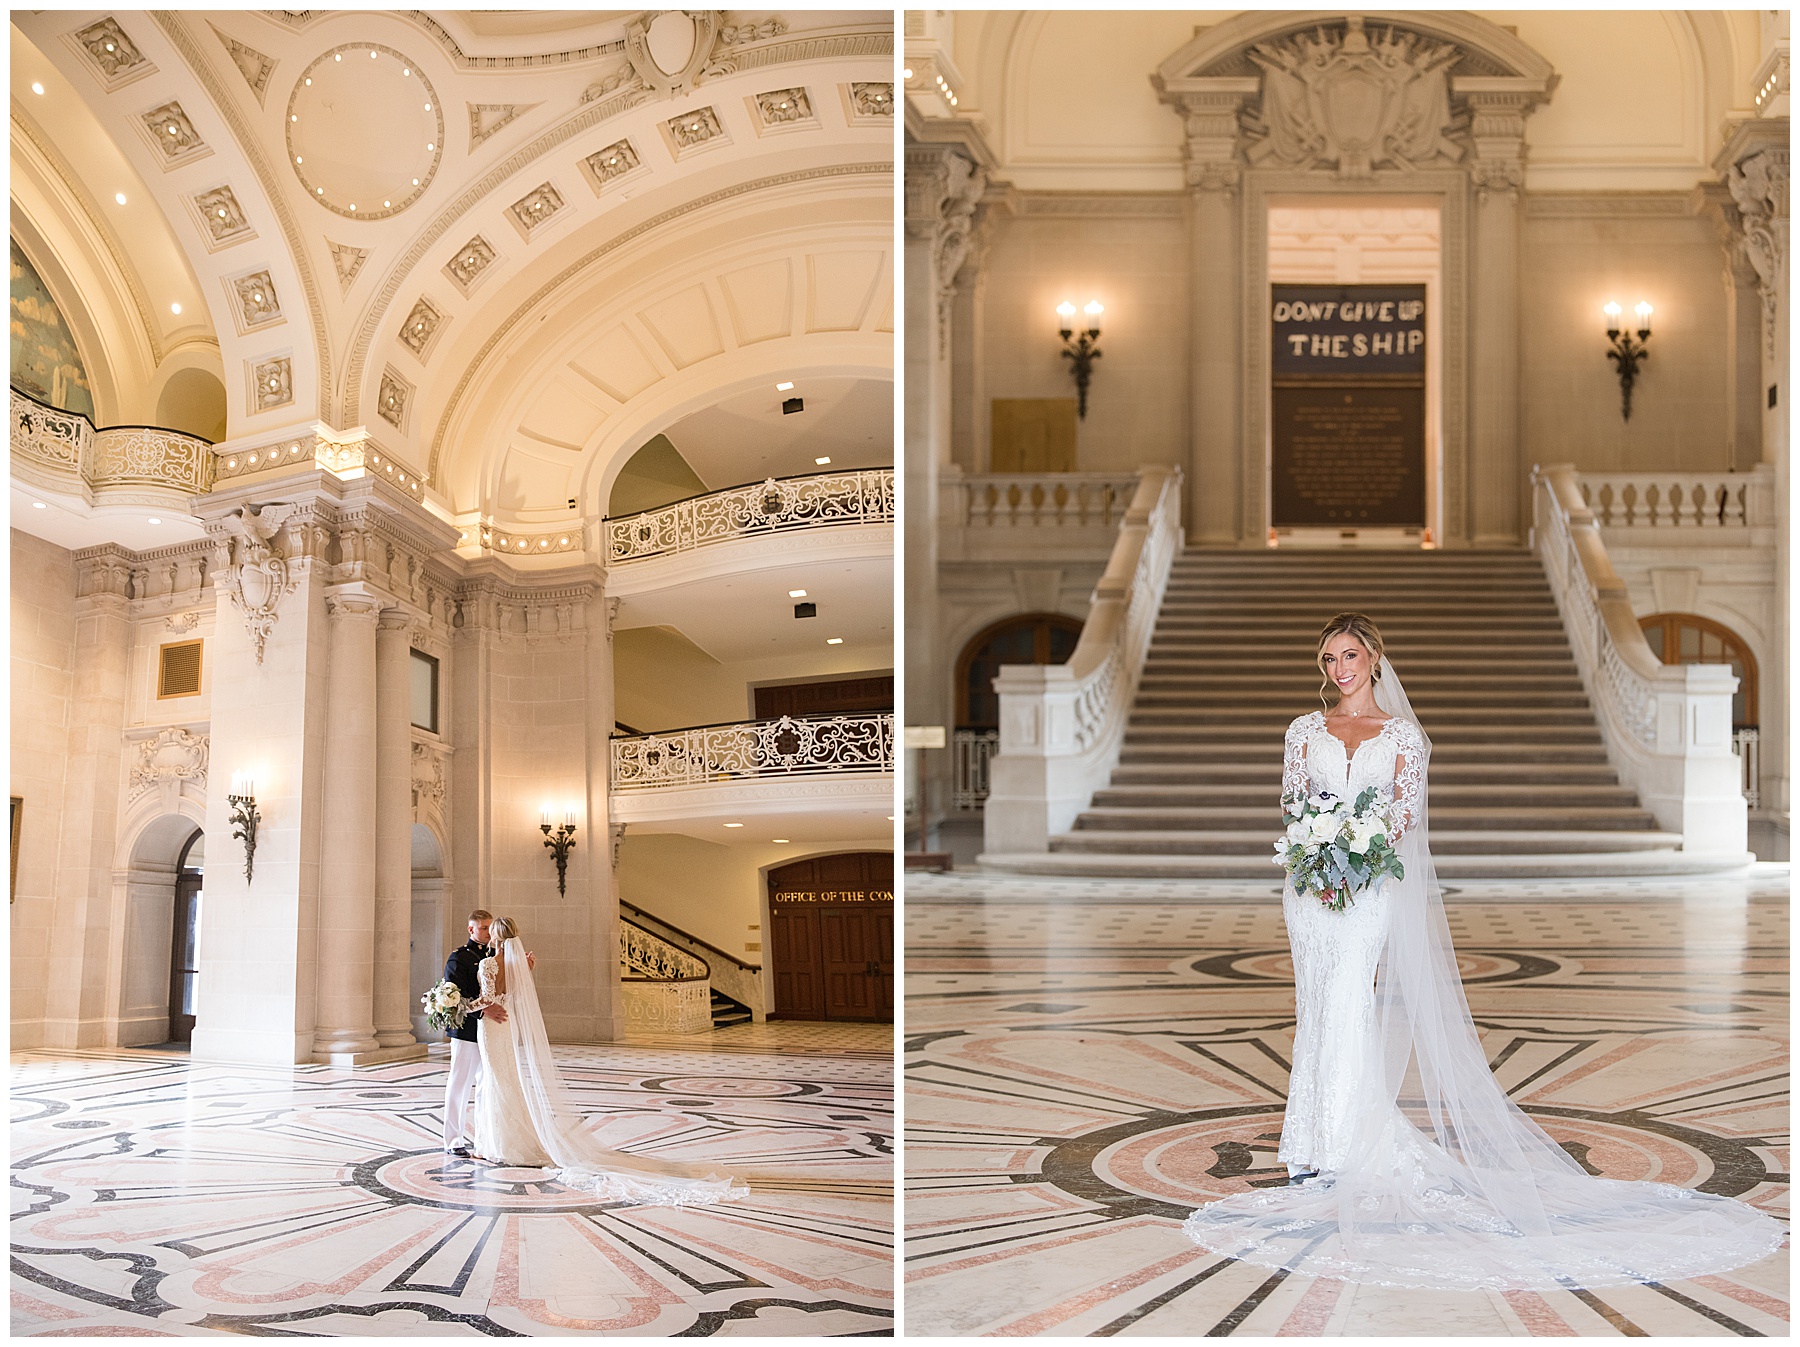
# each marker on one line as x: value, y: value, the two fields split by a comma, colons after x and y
x: 1667, y: 728
x: 1061, y: 725
x: 732, y: 976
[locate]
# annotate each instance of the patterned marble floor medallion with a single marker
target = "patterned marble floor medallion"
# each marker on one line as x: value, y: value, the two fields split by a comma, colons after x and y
x: 153, y: 1196
x: 1079, y: 1077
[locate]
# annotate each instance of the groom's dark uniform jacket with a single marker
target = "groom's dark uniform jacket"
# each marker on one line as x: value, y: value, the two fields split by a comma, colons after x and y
x: 460, y: 968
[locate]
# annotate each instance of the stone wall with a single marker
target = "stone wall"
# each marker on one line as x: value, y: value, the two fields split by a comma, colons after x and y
x: 43, y: 652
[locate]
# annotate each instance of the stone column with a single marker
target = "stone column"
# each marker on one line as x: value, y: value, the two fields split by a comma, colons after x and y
x: 393, y: 831
x: 1219, y: 462
x: 80, y: 1007
x: 600, y: 862
x: 344, y: 1031
x: 1754, y: 166
x: 1743, y: 332
x: 1496, y: 475
x: 943, y: 190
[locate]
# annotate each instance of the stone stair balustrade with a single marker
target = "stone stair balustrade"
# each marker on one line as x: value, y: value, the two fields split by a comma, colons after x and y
x: 1062, y: 725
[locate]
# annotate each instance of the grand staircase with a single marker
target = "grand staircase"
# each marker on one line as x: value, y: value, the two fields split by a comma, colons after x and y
x: 1520, y: 783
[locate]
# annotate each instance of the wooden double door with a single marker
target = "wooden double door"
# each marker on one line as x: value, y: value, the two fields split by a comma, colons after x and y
x: 831, y: 938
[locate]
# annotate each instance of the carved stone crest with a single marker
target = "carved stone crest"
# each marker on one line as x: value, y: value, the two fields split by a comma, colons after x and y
x: 1354, y: 102
x: 669, y: 49
x: 259, y: 578
x: 427, y: 777
x: 172, y: 753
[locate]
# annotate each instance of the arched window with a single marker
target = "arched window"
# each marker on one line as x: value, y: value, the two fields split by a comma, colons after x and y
x: 1683, y: 638
x: 1031, y: 638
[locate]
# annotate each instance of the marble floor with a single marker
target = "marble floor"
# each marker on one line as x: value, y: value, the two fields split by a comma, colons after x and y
x: 1085, y: 1061
x: 155, y: 1196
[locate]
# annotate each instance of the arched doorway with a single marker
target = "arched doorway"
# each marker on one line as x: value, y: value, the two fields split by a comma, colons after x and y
x: 428, y: 948
x: 184, y: 938
x: 1029, y: 638
x: 1685, y: 638
x: 831, y: 937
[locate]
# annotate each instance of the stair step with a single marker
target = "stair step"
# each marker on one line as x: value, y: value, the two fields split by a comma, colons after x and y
x: 1165, y: 745
x: 1444, y: 795
x: 1267, y: 773
x: 1507, y: 818
x: 1258, y: 845
x: 1503, y: 862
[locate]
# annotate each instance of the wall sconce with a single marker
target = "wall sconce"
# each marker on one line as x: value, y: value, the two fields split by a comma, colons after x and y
x: 561, y: 843
x: 243, y: 817
x: 1626, y: 353
x: 1085, y: 349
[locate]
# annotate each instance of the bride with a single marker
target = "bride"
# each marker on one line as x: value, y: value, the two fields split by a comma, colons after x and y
x: 525, y: 1116
x: 1409, y: 1165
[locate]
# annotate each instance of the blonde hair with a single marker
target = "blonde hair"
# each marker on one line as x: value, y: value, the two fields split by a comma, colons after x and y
x: 504, y: 928
x: 1359, y: 627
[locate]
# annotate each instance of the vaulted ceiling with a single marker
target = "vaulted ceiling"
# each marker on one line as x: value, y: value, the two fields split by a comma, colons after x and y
x: 514, y: 246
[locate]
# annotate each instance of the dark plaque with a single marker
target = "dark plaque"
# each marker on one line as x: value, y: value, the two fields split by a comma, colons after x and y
x: 1348, y: 406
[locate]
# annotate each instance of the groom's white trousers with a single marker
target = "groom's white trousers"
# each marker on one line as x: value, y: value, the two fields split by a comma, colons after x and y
x: 465, y: 1069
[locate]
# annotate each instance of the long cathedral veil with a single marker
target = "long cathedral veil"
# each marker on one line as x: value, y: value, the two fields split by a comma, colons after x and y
x: 612, y: 1176
x: 1449, y: 1184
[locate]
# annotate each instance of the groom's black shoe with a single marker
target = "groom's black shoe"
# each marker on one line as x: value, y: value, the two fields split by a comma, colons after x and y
x: 461, y: 1152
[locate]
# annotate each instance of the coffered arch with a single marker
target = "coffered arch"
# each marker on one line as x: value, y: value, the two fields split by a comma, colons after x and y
x: 786, y: 276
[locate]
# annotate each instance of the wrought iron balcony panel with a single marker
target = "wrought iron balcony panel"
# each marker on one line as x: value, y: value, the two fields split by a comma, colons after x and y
x: 818, y: 500
x: 785, y: 747
x: 67, y: 448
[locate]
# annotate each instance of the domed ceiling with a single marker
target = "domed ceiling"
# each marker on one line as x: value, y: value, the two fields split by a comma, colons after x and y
x: 486, y: 237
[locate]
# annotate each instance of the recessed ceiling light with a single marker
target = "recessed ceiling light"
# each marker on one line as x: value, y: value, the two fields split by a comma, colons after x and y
x: 37, y: 89
x: 782, y: 388
x: 780, y: 841
x: 174, y: 308
x: 734, y: 825
x: 155, y: 520
x: 823, y: 461
x: 796, y: 593
x: 834, y: 640
x: 39, y: 505
x: 119, y: 197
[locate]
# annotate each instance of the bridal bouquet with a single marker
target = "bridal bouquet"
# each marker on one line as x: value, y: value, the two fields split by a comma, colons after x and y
x: 1335, y: 849
x: 444, y: 1006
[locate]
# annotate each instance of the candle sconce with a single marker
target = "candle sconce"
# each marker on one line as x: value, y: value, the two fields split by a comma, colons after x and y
x: 561, y: 843
x: 1626, y: 353
x: 1083, y: 350
x: 243, y: 818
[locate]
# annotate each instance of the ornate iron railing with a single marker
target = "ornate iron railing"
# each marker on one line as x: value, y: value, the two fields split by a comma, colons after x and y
x: 971, y: 751
x: 789, y: 746
x: 818, y: 500
x: 68, y: 447
x: 650, y: 956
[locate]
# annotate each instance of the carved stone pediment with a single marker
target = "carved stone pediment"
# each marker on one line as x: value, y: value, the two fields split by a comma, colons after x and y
x: 174, y: 753
x: 1355, y: 101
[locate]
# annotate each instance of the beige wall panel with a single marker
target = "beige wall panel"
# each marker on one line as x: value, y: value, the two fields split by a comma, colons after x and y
x: 1569, y: 390
x: 840, y: 288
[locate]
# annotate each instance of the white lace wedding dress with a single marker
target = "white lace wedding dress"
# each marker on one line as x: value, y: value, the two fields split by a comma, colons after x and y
x: 527, y: 1116
x: 1336, y: 953
x: 1430, y: 1176
x: 502, y: 1128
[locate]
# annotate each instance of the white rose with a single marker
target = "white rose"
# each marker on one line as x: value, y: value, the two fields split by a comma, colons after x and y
x: 1322, y: 828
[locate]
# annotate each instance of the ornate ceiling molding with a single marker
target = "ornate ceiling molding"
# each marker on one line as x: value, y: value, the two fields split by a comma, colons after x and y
x: 568, y: 273
x: 175, y: 29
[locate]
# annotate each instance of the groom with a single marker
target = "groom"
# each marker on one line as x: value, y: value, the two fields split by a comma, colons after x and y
x: 465, y: 1052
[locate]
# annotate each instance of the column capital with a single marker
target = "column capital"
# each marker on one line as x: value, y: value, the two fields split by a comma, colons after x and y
x: 944, y: 188
x: 353, y: 608
x: 397, y: 619
x: 1211, y: 111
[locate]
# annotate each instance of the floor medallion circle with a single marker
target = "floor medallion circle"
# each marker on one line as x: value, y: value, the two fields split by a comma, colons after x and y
x: 1167, y: 1164
x: 433, y: 1179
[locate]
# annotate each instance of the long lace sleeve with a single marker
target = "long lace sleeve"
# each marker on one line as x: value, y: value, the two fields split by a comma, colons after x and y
x: 487, y: 974
x: 1294, y: 780
x: 1409, y: 779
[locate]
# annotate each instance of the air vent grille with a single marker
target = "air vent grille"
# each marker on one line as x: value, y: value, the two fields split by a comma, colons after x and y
x: 180, y: 672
